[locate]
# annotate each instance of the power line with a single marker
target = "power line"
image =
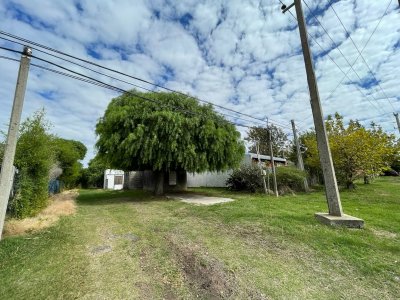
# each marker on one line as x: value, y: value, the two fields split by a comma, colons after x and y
x: 109, y: 76
x: 360, y: 53
x: 337, y: 47
x: 105, y: 85
x: 80, y: 74
x: 362, y: 57
x: 124, y: 74
x: 330, y: 57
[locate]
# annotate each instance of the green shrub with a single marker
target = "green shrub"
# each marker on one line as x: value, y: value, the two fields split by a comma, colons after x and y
x: 246, y: 178
x: 33, y: 159
x: 249, y: 178
x: 289, y: 177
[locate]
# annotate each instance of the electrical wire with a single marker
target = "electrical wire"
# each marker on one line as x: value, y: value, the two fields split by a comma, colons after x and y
x: 124, y: 74
x: 337, y: 48
x: 360, y: 52
x: 334, y: 62
x: 112, y: 77
x: 99, y: 83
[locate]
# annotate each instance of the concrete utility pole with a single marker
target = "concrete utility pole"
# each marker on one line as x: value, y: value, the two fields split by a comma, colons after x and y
x: 261, y: 169
x: 7, y: 167
x: 335, y: 216
x: 300, y: 164
x: 397, y: 119
x: 271, y: 151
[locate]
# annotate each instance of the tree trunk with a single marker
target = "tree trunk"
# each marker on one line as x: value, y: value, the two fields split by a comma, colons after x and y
x: 181, y: 180
x: 350, y: 185
x: 158, y: 183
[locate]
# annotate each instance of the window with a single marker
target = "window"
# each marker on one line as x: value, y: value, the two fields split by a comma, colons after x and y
x: 117, y: 179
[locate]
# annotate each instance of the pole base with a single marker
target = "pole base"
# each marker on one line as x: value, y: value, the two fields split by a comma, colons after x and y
x: 344, y: 220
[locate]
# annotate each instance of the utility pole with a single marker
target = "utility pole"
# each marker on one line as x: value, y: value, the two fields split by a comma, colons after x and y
x: 300, y: 164
x: 7, y: 167
x: 271, y: 151
x: 261, y: 169
x: 397, y: 119
x: 335, y: 216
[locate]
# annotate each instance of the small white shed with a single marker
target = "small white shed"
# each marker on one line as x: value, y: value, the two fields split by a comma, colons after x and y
x: 113, y: 179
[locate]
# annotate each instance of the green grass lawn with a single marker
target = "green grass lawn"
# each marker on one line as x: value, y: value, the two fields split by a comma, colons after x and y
x: 131, y: 245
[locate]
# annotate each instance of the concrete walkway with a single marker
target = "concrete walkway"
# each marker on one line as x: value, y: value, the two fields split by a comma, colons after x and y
x: 199, y: 199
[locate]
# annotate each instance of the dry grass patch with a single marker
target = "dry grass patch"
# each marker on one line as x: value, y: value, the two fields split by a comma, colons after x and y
x: 60, y: 205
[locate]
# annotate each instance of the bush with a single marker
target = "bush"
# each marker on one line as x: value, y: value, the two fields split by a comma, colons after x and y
x: 249, y: 178
x: 33, y: 159
x: 290, y: 177
x: 246, y: 178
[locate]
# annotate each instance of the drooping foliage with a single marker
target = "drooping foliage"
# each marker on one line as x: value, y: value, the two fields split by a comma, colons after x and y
x: 356, y: 151
x: 259, y: 135
x: 172, y: 133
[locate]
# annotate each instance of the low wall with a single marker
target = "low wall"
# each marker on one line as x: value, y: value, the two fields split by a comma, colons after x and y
x: 208, y: 179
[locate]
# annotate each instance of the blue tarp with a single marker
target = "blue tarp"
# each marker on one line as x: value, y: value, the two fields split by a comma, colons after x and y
x: 54, y: 186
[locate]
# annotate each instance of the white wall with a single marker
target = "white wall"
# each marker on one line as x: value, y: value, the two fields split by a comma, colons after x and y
x: 218, y: 179
x: 208, y: 179
x: 109, y: 176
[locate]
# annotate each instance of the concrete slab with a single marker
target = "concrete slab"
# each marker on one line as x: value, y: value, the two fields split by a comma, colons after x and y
x: 344, y: 220
x: 199, y: 199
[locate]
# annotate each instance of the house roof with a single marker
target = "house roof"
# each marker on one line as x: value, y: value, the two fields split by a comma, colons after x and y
x: 266, y: 157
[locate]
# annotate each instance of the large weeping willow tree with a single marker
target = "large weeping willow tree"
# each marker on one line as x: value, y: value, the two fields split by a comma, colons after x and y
x: 170, y: 133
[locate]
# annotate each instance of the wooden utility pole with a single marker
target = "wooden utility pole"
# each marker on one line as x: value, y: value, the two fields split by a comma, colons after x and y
x: 335, y: 216
x: 271, y: 151
x: 7, y: 167
x: 397, y: 119
x: 300, y: 164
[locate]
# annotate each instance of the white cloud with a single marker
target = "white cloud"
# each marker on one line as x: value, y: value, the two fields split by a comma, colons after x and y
x: 244, y: 55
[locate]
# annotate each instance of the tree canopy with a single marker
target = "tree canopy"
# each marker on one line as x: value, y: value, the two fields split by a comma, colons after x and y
x: 356, y: 151
x: 171, y: 132
x: 260, y: 135
x: 93, y: 175
x: 67, y: 154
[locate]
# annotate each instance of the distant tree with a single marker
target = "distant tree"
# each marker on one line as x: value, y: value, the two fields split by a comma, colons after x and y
x: 357, y: 152
x: 93, y: 175
x: 259, y: 135
x: 172, y: 133
x: 68, y: 153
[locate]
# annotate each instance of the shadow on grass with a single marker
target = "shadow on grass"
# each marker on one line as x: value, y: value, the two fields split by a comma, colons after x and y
x: 104, y: 197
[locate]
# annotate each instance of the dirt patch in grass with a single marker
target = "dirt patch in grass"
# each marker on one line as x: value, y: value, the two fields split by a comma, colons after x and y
x: 60, y: 205
x: 206, y: 273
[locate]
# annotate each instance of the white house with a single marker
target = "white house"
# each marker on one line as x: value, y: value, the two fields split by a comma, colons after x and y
x: 117, y: 179
x: 218, y: 179
x: 208, y: 179
x: 113, y: 179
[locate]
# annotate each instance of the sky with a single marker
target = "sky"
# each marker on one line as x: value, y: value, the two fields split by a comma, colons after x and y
x: 241, y: 54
